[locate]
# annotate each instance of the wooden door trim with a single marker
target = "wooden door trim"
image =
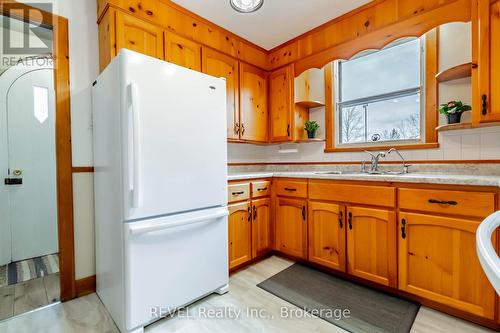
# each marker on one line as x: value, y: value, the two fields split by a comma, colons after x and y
x: 59, y: 26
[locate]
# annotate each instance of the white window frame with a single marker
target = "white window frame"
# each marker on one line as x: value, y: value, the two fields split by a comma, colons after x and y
x: 377, y: 98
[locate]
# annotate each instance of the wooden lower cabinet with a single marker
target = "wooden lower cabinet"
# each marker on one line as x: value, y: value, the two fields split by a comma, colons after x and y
x: 261, y: 228
x: 240, y: 233
x: 327, y: 238
x: 371, y: 245
x: 438, y: 261
x: 291, y: 226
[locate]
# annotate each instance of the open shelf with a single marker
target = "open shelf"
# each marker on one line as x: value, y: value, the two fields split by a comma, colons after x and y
x: 451, y: 127
x: 310, y: 104
x: 309, y: 140
x: 455, y: 73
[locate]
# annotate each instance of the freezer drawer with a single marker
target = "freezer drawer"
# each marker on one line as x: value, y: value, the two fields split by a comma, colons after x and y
x: 172, y: 261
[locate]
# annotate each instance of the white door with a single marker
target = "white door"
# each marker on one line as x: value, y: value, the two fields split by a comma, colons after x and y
x: 175, y: 138
x: 32, y: 209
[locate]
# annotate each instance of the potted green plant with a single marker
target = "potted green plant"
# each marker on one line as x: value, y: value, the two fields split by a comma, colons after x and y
x: 453, y: 111
x: 311, y: 127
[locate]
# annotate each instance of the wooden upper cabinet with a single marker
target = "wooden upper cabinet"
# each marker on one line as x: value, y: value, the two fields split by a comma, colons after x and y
x: 220, y: 65
x: 261, y: 226
x: 327, y: 235
x: 144, y: 8
x: 182, y: 52
x: 281, y: 101
x: 438, y: 261
x: 486, y: 52
x: 291, y: 226
x: 253, y: 104
x: 371, y: 245
x: 137, y: 35
x: 240, y: 234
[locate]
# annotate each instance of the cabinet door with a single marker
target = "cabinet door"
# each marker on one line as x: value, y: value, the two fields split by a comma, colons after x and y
x: 240, y: 224
x: 219, y: 65
x: 281, y: 100
x: 182, y: 52
x: 486, y: 52
x: 438, y: 261
x: 261, y: 227
x: 371, y: 245
x: 291, y: 227
x: 253, y: 104
x: 137, y: 35
x: 327, y: 234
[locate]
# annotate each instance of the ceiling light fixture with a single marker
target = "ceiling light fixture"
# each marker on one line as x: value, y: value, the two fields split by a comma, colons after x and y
x: 246, y: 6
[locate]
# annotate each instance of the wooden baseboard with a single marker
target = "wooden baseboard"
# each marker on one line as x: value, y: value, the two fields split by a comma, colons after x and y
x: 85, y: 286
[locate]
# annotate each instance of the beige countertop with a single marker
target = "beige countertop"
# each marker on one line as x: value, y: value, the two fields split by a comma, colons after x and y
x: 423, y: 178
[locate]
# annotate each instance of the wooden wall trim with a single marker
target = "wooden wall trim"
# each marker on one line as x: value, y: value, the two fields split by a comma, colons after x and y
x: 83, y: 169
x: 372, y: 27
x: 64, y: 159
x: 359, y: 162
x: 85, y: 286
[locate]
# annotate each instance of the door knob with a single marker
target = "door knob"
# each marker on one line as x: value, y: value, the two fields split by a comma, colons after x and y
x: 17, y: 172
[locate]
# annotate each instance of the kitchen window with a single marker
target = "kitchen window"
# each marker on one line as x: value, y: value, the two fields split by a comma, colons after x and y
x: 379, y: 95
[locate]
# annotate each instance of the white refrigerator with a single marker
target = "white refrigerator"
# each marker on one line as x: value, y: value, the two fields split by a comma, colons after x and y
x: 160, y: 186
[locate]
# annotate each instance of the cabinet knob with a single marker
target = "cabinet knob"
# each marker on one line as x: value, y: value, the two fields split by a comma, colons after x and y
x: 349, y: 221
x: 341, y: 217
x: 304, y: 213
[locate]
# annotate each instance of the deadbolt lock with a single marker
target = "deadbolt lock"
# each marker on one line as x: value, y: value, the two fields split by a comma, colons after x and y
x: 17, y: 173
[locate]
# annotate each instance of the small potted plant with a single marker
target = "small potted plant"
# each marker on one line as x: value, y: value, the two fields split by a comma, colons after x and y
x: 453, y: 111
x: 311, y: 127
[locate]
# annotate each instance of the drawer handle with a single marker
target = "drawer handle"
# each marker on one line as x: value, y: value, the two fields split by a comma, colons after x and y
x: 442, y: 202
x: 238, y: 193
x: 484, y: 105
x: 262, y: 189
x: 403, y: 228
x: 290, y: 189
x: 341, y: 217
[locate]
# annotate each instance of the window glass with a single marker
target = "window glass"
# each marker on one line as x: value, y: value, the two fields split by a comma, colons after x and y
x: 380, y: 95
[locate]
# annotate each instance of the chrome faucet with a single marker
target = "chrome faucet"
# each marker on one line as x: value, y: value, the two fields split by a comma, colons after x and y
x: 405, y: 166
x: 374, y: 163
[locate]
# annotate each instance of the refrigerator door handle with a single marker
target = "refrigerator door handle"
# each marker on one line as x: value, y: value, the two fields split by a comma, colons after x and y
x: 134, y: 147
x: 142, y: 229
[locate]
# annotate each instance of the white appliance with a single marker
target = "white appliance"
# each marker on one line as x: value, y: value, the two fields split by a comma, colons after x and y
x: 160, y: 158
x: 485, y: 248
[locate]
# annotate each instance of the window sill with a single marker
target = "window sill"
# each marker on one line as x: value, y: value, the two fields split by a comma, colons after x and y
x: 381, y: 148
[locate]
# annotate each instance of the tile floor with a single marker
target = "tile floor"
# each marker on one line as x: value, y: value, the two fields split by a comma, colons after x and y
x: 87, y: 314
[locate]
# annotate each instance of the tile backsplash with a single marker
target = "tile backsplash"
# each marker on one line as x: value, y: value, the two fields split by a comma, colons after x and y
x: 468, y: 144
